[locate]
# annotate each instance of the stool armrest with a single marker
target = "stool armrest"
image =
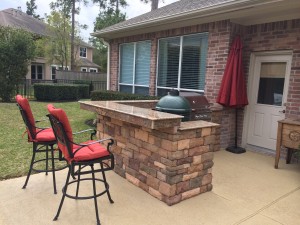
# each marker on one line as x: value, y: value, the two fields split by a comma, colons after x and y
x: 93, y: 133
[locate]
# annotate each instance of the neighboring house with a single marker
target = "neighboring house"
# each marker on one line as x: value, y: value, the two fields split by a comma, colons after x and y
x: 40, y: 69
x: 185, y: 45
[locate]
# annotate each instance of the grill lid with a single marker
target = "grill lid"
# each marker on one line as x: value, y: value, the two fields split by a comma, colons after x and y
x: 173, y: 103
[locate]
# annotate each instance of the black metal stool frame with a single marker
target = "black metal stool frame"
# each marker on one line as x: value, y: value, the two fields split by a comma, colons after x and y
x: 40, y: 147
x: 62, y: 137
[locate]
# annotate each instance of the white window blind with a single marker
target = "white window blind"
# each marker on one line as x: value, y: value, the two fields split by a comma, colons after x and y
x: 182, y: 63
x: 135, y: 67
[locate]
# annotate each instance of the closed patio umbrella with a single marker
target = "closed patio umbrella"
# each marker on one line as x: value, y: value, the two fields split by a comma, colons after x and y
x: 233, y: 91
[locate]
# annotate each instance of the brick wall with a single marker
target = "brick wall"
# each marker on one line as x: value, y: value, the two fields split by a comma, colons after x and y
x: 219, y: 39
x: 283, y: 35
x: 171, y: 166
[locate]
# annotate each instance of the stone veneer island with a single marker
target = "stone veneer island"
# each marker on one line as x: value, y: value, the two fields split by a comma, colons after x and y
x: 169, y: 159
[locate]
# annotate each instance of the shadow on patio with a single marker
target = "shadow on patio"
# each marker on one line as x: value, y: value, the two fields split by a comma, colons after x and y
x: 246, y: 190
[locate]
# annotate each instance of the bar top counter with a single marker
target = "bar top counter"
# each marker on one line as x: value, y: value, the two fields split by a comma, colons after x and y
x: 169, y: 159
x: 141, y: 112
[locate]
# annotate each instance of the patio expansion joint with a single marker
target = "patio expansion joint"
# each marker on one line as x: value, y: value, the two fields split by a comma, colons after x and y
x: 267, y: 206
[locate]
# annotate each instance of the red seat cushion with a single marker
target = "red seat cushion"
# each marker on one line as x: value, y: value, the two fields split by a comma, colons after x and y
x: 90, y: 152
x: 44, y: 135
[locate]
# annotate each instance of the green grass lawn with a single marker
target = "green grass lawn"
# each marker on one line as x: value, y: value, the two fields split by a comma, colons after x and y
x: 15, y: 151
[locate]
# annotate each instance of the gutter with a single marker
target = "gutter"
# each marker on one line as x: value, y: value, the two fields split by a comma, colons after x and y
x: 204, y: 12
x: 108, y: 65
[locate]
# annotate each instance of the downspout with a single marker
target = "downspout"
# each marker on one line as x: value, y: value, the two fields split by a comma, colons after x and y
x: 108, y: 64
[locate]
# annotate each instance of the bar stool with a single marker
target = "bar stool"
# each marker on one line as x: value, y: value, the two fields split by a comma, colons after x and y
x: 82, y: 156
x: 41, y: 138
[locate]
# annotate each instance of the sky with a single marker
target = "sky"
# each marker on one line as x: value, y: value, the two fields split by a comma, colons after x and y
x: 87, y: 14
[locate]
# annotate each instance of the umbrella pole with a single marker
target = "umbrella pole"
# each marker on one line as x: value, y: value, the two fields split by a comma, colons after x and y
x: 235, y: 149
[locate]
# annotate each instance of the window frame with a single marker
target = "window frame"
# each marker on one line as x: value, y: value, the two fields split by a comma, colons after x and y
x: 133, y: 85
x: 80, y: 52
x: 179, y: 66
x: 96, y: 70
x: 81, y: 69
x: 53, y: 66
x: 36, y: 71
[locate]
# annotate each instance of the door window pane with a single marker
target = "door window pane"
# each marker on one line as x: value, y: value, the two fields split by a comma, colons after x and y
x: 271, y: 83
x: 53, y: 72
x: 33, y: 72
x: 40, y: 72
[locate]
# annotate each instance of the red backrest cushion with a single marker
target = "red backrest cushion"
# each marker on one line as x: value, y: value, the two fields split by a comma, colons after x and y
x: 61, y: 116
x: 24, y: 104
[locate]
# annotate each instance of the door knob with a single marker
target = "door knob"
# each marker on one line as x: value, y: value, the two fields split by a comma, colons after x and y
x: 283, y: 111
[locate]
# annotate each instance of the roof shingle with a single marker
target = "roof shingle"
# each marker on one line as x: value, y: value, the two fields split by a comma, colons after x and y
x: 176, y: 8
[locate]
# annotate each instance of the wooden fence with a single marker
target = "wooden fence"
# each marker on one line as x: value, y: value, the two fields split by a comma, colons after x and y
x: 76, y: 75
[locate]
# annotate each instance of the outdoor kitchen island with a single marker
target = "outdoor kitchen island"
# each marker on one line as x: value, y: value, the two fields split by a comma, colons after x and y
x: 169, y: 159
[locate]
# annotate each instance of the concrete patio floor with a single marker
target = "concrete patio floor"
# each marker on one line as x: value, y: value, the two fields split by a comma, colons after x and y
x: 246, y: 190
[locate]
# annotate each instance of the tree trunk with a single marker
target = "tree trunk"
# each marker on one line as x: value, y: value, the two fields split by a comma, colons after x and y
x: 117, y: 6
x: 72, y: 36
x: 154, y: 4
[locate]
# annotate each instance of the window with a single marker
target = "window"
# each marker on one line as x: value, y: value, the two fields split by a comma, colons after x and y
x: 37, y: 72
x: 135, y: 67
x: 83, y: 69
x: 93, y: 70
x: 182, y: 63
x: 82, y: 52
x: 53, y: 72
x: 271, y: 83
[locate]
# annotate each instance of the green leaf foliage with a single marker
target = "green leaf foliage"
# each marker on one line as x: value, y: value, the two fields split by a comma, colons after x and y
x: 17, y: 49
x: 60, y: 92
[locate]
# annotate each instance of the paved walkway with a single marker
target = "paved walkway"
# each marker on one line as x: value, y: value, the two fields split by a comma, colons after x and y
x: 247, y: 190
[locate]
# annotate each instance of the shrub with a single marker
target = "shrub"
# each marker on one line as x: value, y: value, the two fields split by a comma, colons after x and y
x: 57, y: 92
x: 85, y: 93
x: 114, y: 95
x: 84, y: 90
x: 17, y: 49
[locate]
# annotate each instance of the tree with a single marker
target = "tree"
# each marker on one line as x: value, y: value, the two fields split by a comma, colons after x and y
x: 57, y: 44
x: 31, y: 7
x: 13, y: 65
x: 69, y: 8
x: 109, y: 15
x: 154, y: 3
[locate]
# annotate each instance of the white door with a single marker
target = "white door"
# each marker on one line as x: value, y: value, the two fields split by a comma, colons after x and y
x: 267, y: 98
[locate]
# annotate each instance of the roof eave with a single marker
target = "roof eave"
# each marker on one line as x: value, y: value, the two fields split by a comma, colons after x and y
x: 200, y: 13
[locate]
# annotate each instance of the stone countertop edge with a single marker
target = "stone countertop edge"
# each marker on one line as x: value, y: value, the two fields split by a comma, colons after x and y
x: 140, y: 112
x: 189, y: 125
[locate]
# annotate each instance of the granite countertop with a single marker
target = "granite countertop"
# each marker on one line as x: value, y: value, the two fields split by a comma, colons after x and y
x: 189, y: 125
x: 146, y: 116
x: 117, y: 106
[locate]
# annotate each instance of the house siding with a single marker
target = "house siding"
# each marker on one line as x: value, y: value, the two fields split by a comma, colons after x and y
x: 283, y: 35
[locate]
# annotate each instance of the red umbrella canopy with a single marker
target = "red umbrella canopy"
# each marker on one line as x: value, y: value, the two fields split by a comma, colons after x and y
x: 233, y: 91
